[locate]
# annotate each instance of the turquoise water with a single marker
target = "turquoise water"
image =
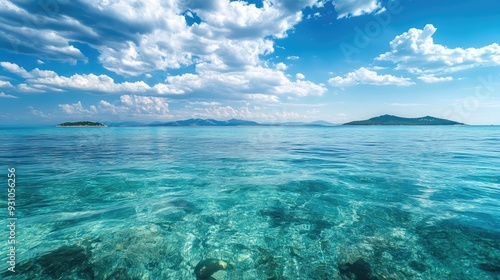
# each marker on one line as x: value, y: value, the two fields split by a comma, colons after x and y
x: 274, y: 202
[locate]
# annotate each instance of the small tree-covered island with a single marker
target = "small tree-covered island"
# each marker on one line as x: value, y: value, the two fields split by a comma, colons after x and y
x: 81, y: 124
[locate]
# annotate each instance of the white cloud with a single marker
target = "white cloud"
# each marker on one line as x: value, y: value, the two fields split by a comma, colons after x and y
x: 26, y: 88
x: 433, y: 79
x: 381, y: 11
x: 14, y: 68
x: 365, y: 76
x: 301, y: 88
x: 300, y: 76
x: 128, y: 106
x: 4, y: 95
x: 281, y: 66
x: 321, y: 3
x: 315, y: 15
x: 40, y: 61
x: 263, y: 97
x: 252, y: 80
x: 5, y: 84
x: 230, y: 84
x: 292, y: 57
x: 416, y: 52
x: 45, y: 80
x: 75, y: 109
x: 145, y: 105
x: 90, y: 83
x: 161, y: 88
x: 38, y: 113
x: 104, y: 107
x: 353, y: 8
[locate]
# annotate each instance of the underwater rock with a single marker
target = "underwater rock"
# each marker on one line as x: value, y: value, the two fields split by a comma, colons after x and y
x: 186, y: 206
x: 120, y: 273
x: 418, y: 266
x: 66, y: 261
x: 278, y: 216
x: 490, y: 267
x: 207, y: 269
x: 359, y: 270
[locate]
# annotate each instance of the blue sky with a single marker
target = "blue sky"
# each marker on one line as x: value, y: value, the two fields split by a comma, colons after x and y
x: 268, y: 61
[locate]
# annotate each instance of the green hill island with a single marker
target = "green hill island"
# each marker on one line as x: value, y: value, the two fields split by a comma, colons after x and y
x: 81, y: 124
x: 394, y: 120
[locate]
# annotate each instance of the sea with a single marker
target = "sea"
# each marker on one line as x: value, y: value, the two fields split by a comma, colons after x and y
x: 269, y: 202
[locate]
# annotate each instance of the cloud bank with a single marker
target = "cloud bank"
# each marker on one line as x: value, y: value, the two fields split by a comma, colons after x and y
x: 416, y: 52
x: 368, y: 77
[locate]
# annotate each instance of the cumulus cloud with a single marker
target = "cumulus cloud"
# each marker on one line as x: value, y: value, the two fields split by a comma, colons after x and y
x: 300, y: 76
x: 5, y: 84
x: 26, y: 88
x: 281, y: 66
x: 416, y: 52
x: 252, y: 80
x: 46, y: 80
x: 353, y: 8
x: 145, y: 105
x: 263, y: 97
x: 128, y: 105
x: 434, y: 79
x: 90, y: 82
x: 365, y: 76
x: 245, y: 112
x: 75, y: 109
x: 130, y: 43
x: 4, y: 95
x: 231, y: 84
x: 38, y: 113
x: 301, y: 88
x: 14, y: 68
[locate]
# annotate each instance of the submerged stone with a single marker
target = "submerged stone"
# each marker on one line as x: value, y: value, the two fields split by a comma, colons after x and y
x: 186, y: 206
x: 63, y: 262
x: 418, y: 266
x: 208, y: 269
x: 490, y: 267
x: 359, y: 270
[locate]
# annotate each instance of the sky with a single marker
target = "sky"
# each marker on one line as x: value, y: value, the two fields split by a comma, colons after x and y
x: 266, y: 61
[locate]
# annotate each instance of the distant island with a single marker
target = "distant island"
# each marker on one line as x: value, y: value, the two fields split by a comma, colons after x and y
x: 394, y: 120
x: 81, y: 124
x: 207, y: 122
x: 236, y: 122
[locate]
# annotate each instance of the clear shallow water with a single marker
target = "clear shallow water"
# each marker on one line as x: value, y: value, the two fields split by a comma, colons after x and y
x: 275, y: 202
